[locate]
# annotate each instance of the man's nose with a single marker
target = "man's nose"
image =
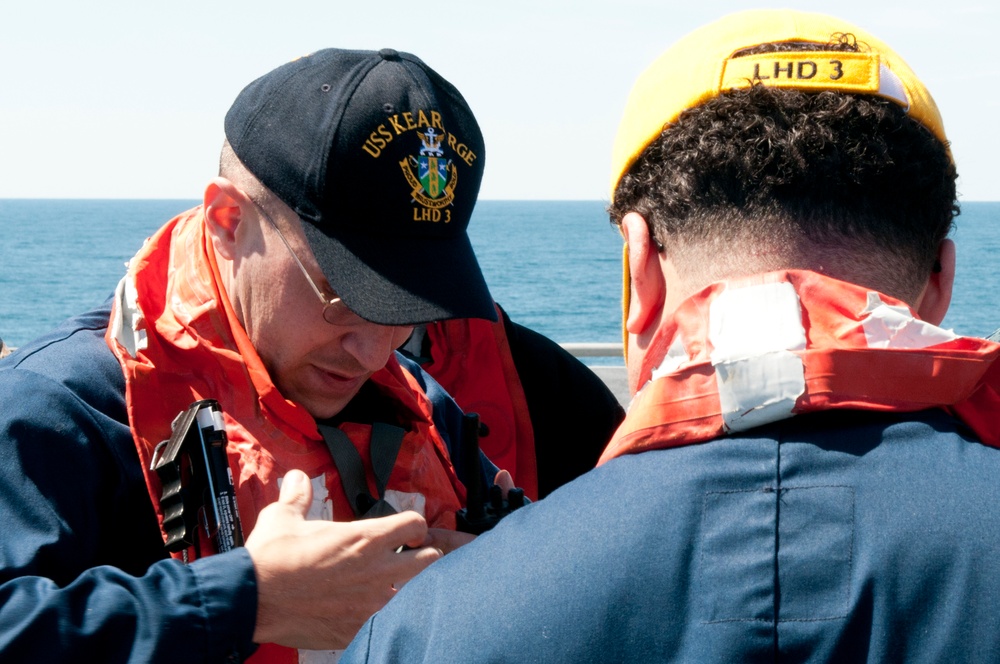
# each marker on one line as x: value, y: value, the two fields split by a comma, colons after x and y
x: 371, y: 344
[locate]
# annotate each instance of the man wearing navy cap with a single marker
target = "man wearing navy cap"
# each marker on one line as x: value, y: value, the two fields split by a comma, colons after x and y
x: 337, y: 222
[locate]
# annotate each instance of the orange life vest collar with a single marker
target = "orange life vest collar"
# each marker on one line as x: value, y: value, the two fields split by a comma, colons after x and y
x: 747, y: 352
x: 178, y: 340
x: 472, y: 360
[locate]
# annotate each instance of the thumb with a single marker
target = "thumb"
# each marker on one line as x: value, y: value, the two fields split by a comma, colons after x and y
x: 504, y: 481
x: 296, y: 491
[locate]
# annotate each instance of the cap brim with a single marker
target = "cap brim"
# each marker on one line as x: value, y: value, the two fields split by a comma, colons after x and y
x: 418, y: 279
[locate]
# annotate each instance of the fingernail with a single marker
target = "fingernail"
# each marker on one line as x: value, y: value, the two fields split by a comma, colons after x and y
x: 294, y: 478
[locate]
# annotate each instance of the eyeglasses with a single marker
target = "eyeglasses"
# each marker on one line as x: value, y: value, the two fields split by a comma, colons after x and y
x: 335, y: 312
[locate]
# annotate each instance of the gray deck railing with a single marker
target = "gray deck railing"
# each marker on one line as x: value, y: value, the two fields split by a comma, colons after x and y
x: 595, y: 349
x: 614, y: 376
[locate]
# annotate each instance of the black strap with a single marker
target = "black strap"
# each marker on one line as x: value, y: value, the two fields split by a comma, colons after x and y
x: 386, y: 441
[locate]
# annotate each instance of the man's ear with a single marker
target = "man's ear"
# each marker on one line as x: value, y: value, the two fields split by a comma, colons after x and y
x: 934, y: 301
x: 648, y: 287
x: 223, y: 204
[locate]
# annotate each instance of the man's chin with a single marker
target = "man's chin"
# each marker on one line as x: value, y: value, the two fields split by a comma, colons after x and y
x: 324, y: 395
x: 324, y: 409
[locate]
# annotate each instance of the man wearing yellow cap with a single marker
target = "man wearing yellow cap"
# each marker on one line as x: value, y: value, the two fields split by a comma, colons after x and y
x: 808, y: 469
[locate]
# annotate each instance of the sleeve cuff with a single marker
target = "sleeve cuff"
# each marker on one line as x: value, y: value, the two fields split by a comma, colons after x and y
x: 227, y: 584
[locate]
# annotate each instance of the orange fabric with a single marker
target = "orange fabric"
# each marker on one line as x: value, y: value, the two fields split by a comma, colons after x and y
x: 840, y: 370
x: 471, y: 359
x: 195, y: 348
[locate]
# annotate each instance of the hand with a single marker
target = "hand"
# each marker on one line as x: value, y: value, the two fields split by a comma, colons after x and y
x: 319, y: 581
x: 449, y: 540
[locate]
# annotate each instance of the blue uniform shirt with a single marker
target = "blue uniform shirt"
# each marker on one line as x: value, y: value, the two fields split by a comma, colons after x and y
x: 840, y: 536
x: 83, y: 569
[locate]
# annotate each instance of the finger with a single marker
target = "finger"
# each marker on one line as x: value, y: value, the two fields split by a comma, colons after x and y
x: 504, y: 481
x: 404, y: 529
x: 296, y: 491
x: 407, y: 564
x: 448, y: 540
x: 421, y: 560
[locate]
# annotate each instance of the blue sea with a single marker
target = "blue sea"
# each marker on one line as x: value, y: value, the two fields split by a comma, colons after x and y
x: 555, y: 266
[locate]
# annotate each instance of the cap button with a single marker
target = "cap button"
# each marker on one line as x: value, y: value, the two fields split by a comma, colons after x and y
x: 389, y: 54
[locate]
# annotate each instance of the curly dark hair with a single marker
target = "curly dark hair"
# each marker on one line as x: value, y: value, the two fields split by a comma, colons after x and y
x: 767, y: 178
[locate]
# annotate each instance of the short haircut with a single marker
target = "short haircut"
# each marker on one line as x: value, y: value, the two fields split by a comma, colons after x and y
x: 765, y: 178
x: 231, y: 168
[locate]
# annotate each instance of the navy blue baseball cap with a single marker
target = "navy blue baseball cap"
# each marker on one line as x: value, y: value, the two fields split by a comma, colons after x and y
x: 382, y: 160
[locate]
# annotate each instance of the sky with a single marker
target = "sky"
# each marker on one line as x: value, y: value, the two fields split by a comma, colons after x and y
x: 122, y: 99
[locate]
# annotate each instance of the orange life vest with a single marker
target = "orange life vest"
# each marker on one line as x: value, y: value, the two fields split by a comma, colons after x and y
x: 178, y: 340
x: 746, y: 352
x: 471, y: 359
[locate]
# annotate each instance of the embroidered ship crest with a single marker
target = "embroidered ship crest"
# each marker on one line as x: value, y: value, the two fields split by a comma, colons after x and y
x: 431, y: 176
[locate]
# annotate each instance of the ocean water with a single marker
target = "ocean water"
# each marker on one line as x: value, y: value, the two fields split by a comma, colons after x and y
x: 553, y: 265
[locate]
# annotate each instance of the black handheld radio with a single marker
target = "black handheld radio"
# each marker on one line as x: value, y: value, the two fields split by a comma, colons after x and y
x: 483, y: 509
x: 198, y: 487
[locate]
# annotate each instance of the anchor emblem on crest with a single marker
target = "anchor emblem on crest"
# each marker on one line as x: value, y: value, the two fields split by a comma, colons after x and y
x: 431, y: 176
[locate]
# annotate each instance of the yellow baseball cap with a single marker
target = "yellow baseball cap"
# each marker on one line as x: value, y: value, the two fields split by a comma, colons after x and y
x: 701, y: 66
